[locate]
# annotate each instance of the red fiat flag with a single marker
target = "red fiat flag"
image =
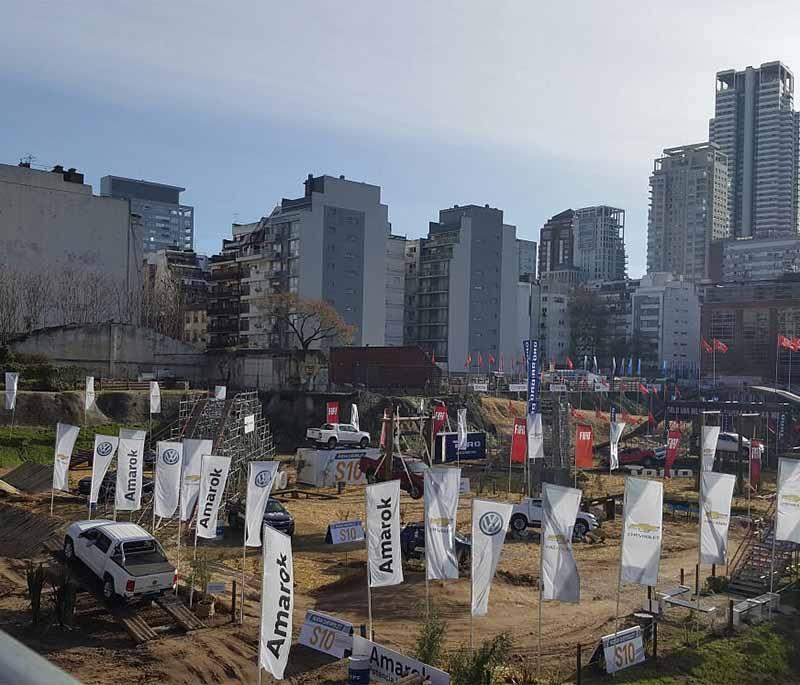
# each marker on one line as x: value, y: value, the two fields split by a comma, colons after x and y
x: 643, y: 389
x: 720, y: 346
x: 570, y: 365
x: 468, y: 361
x: 673, y: 440
x: 795, y: 345
x: 519, y: 441
x: 784, y: 342
x: 583, y: 446
x: 491, y: 359
x: 439, y: 418
x: 705, y: 345
x: 755, y: 463
x: 333, y: 412
x: 480, y: 360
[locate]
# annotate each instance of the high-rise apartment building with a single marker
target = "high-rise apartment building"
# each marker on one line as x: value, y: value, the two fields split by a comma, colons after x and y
x: 688, y: 210
x: 756, y: 127
x: 586, y: 244
x: 556, y: 242
x: 166, y: 223
x: 461, y: 289
x: 527, y: 258
x: 331, y: 245
x: 599, y: 251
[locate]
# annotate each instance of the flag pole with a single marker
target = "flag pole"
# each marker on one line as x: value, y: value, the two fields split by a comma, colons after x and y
x: 244, y: 561
x: 471, y: 589
x: 541, y: 594
x: 777, y: 354
x: 155, y: 483
x: 180, y: 516
x: 194, y: 558
x: 619, y: 576
x: 774, y: 538
x: 261, y: 600
x: 369, y: 583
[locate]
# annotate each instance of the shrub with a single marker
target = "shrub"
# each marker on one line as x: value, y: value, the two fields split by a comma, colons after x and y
x: 35, y: 577
x: 479, y: 667
x: 63, y: 598
x: 430, y: 640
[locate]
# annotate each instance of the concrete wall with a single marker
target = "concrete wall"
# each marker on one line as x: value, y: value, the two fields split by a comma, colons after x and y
x: 48, y: 224
x: 113, y: 350
x: 265, y: 370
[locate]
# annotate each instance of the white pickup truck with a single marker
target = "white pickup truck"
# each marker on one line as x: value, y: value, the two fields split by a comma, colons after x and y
x: 528, y: 513
x: 333, y: 434
x: 125, y: 557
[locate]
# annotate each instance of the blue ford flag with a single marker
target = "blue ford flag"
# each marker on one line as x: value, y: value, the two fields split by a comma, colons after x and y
x: 630, y: 366
x: 639, y: 367
x: 531, y: 348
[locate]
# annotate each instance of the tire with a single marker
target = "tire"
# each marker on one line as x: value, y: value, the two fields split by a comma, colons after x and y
x: 580, y: 529
x: 109, y: 594
x: 415, y: 493
x: 364, y: 443
x: 331, y: 443
x: 518, y: 523
x: 69, y: 549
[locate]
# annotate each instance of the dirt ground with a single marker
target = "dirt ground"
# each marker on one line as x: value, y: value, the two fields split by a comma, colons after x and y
x: 98, y: 650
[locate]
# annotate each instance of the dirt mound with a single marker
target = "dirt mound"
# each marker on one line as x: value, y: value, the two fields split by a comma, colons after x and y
x: 23, y: 533
x: 30, y: 477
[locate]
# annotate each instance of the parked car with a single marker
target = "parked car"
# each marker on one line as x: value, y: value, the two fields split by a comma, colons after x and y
x: 412, y: 543
x: 275, y: 515
x: 641, y: 456
x: 528, y: 514
x: 128, y: 561
x: 108, y: 487
x: 411, y: 476
x: 333, y: 434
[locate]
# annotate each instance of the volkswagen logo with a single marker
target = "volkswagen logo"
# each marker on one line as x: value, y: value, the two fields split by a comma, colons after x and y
x: 170, y: 457
x: 104, y: 449
x: 263, y: 478
x: 491, y: 523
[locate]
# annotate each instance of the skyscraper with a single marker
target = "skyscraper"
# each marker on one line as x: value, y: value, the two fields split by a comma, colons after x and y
x: 755, y: 126
x: 600, y: 243
x: 556, y: 242
x: 166, y: 223
x: 688, y: 210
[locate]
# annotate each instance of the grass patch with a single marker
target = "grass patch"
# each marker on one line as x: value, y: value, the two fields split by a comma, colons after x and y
x: 767, y: 653
x: 36, y: 444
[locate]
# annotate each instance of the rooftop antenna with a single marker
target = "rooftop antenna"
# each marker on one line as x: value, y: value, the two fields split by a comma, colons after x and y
x: 27, y: 161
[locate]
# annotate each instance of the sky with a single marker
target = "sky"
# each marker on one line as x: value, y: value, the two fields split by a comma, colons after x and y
x: 529, y: 106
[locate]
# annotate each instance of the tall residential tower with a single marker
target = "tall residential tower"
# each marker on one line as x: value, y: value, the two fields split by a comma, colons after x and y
x: 688, y: 210
x: 756, y: 127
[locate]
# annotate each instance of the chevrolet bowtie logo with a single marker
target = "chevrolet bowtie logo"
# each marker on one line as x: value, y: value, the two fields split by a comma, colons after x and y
x: 440, y: 522
x: 644, y: 527
x: 192, y: 479
x: 792, y: 498
x: 717, y: 516
x: 558, y: 537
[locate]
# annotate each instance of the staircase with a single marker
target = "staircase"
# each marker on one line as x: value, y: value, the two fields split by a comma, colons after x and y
x: 752, y: 563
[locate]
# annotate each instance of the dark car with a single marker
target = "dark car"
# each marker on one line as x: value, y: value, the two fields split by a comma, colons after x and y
x: 412, y: 543
x: 411, y: 474
x: 275, y: 515
x: 641, y: 456
x: 108, y: 487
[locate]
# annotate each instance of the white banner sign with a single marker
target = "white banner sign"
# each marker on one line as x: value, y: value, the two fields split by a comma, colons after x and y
x: 558, y: 387
x: 130, y: 464
x: 461, y: 443
x: 517, y: 387
x: 641, y: 526
x: 277, y: 602
x: 167, y: 486
x: 260, y: 477
x: 710, y: 438
x: 88, y: 395
x: 535, y: 436
x: 12, y: 384
x: 220, y: 392
x: 213, y: 476
x: 389, y: 665
x: 66, y: 436
x: 155, y: 398
x: 787, y: 525
x: 193, y: 451
x: 716, y: 492
x: 105, y: 447
x: 623, y: 649
x: 480, y: 387
x: 327, y: 634
x: 132, y: 434
x: 559, y: 573
x: 249, y: 423
x: 344, y: 532
x: 354, y: 416
x: 441, y: 504
x: 383, y: 534
x: 489, y: 525
x: 615, y: 429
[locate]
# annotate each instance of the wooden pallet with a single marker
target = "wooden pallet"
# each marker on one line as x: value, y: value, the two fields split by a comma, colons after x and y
x: 180, y: 613
x: 136, y: 626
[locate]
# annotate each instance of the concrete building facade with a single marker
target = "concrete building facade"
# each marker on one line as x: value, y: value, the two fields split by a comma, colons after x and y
x: 755, y: 260
x: 166, y: 223
x: 556, y: 243
x: 527, y: 258
x: 757, y: 129
x: 688, y: 210
x: 599, y: 250
x: 665, y: 321
x: 395, y: 290
x: 461, y: 288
